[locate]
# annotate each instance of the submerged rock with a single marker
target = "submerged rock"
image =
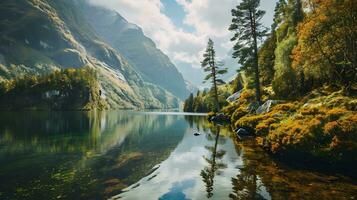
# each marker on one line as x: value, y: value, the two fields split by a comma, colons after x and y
x: 196, y: 134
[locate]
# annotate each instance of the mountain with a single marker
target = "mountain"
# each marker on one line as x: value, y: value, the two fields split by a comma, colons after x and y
x: 39, y: 36
x: 138, y: 49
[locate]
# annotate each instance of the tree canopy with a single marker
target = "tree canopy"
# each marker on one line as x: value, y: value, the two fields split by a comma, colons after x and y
x: 214, y: 70
x: 248, y: 29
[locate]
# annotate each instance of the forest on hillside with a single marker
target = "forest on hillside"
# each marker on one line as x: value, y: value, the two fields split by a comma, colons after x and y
x: 297, y: 84
x: 67, y: 89
x: 310, y: 44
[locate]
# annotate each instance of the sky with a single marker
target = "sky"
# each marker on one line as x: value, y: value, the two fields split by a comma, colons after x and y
x: 181, y: 28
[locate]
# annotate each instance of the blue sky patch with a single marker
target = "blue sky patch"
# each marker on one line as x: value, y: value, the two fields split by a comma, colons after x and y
x: 176, y: 13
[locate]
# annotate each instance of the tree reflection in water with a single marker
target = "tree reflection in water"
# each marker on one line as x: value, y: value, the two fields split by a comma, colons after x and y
x: 246, y: 185
x: 215, y: 163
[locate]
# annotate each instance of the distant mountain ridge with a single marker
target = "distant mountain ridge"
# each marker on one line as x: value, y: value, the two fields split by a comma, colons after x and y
x: 39, y: 36
x: 138, y: 49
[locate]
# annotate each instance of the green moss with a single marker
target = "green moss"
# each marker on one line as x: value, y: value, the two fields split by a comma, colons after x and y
x: 321, y: 126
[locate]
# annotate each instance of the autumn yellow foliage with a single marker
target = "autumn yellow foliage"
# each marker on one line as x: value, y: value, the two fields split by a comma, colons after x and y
x: 307, y: 128
x: 327, y: 35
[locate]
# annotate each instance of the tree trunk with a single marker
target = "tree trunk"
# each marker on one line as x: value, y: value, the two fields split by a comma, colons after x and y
x: 255, y: 52
x: 213, y: 64
x: 256, y: 69
x: 215, y: 88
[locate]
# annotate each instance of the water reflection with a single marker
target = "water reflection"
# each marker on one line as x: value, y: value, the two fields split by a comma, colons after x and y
x: 80, y: 155
x: 215, y: 164
x: 261, y: 177
x: 247, y: 185
x: 133, y: 155
x: 179, y: 176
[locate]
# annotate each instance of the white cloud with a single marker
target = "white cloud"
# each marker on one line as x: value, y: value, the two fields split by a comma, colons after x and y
x: 210, y: 18
x: 186, y: 57
x: 181, y: 46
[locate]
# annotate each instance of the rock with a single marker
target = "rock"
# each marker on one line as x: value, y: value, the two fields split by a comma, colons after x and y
x: 196, y: 134
x: 220, y: 118
x: 266, y: 106
x: 234, y: 97
x: 243, y: 133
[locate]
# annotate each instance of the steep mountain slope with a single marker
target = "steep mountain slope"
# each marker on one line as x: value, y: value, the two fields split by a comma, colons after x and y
x: 38, y: 36
x: 138, y: 49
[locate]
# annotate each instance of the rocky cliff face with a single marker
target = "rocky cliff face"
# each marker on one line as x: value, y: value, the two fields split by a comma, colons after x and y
x: 38, y: 36
x: 138, y: 49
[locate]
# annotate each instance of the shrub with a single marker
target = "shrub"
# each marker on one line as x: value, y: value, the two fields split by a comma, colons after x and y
x: 330, y: 134
x: 285, y: 107
x: 265, y: 126
x: 247, y: 95
x: 319, y: 129
x: 238, y: 113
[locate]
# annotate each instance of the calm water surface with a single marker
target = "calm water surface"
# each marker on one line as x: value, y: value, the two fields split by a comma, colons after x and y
x: 133, y: 155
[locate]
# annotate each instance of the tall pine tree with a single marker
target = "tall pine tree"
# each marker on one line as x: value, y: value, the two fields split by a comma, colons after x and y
x: 210, y: 65
x: 246, y: 24
x: 279, y: 13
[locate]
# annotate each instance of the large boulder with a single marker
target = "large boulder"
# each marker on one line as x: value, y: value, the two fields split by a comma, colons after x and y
x: 234, y: 97
x: 266, y: 106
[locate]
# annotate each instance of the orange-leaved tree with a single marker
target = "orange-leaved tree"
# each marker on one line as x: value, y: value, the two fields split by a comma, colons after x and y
x: 327, y: 43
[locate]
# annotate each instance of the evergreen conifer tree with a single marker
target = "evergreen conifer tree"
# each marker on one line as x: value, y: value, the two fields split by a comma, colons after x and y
x: 246, y: 24
x: 214, y: 69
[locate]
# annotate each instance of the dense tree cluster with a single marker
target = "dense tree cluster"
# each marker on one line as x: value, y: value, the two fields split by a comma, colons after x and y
x: 327, y: 44
x: 311, y: 43
x: 68, y: 88
x: 313, y: 48
x: 309, y: 61
x: 205, y: 101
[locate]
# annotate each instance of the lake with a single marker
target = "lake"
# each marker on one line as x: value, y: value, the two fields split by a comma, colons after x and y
x: 144, y: 155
